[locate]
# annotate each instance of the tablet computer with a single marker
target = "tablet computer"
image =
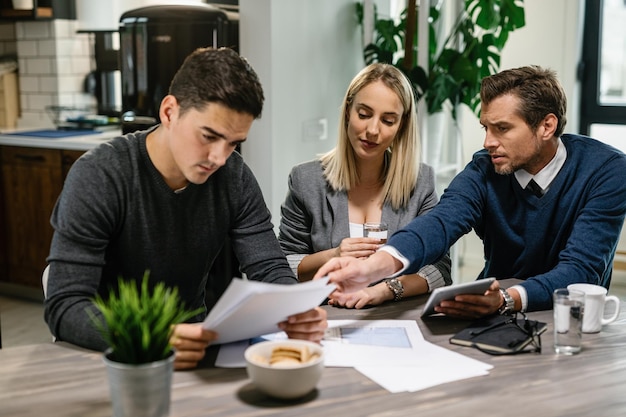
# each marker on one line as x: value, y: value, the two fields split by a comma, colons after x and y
x: 447, y: 293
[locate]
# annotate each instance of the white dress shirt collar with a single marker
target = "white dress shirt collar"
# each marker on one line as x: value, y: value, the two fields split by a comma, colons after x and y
x: 548, y: 173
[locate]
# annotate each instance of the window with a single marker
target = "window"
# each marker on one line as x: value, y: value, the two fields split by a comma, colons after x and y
x: 603, y: 72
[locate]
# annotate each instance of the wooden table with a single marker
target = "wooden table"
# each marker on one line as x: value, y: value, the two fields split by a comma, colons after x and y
x: 60, y: 380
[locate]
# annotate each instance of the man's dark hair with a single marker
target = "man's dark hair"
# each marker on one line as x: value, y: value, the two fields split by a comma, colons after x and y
x: 210, y: 75
x: 538, y: 90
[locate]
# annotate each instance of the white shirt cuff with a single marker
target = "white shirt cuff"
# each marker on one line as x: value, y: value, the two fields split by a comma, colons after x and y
x: 394, y: 252
x: 522, y: 295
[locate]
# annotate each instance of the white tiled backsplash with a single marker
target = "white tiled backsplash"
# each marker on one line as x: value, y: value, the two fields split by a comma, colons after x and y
x: 53, y: 62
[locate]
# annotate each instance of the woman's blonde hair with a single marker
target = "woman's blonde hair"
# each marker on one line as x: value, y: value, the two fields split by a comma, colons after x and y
x: 402, y: 160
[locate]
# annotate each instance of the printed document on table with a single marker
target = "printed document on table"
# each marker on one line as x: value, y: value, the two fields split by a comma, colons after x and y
x: 347, y: 343
x: 358, y: 342
x: 392, y: 353
x: 436, y: 365
x: 249, y: 309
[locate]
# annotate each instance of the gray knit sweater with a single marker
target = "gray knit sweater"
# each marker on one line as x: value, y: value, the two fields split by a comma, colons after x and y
x: 116, y: 216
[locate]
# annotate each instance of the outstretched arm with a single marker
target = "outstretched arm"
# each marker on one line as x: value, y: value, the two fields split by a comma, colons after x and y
x: 351, y: 274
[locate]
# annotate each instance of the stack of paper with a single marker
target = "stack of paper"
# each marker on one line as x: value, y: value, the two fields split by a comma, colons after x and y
x: 392, y: 353
x: 251, y: 308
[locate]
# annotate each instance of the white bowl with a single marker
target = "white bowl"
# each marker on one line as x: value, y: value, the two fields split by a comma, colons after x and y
x: 284, y: 382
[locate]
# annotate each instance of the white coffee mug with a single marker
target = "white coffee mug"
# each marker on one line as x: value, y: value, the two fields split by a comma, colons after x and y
x: 595, y: 302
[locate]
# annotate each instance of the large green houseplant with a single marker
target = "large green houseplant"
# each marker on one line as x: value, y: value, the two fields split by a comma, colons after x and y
x: 136, y: 322
x: 457, y: 59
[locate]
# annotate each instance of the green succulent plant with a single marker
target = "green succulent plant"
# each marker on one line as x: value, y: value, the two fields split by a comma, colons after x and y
x: 137, y: 322
x: 458, y: 61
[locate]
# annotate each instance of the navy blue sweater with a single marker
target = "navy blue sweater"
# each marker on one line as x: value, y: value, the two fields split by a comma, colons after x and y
x: 569, y: 235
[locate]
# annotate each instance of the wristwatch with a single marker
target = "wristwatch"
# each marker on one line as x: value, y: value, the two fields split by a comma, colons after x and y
x: 396, y: 288
x: 508, y: 305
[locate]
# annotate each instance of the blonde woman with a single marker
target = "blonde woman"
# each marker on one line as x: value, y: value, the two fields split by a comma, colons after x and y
x: 372, y: 175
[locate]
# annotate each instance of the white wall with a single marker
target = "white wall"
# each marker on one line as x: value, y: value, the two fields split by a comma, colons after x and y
x: 305, y: 53
x: 53, y: 62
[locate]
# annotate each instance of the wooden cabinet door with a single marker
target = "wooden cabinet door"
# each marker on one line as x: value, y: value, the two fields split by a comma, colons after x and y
x: 31, y: 182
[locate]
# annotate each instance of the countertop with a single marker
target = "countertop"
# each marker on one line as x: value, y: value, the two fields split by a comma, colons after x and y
x: 81, y: 142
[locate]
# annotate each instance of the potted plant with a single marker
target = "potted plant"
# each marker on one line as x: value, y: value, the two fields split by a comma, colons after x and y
x: 137, y: 322
x: 457, y: 60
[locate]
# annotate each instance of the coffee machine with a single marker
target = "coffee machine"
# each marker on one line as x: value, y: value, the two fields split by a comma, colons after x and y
x: 154, y: 41
x: 105, y: 81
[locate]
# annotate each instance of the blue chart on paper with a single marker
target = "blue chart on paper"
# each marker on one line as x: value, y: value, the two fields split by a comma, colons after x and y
x: 54, y: 133
x: 376, y: 336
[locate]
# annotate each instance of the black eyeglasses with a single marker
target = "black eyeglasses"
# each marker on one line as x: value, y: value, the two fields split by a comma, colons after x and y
x: 528, y: 335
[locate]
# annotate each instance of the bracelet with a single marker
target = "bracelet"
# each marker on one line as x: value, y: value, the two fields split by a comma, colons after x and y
x: 396, y: 288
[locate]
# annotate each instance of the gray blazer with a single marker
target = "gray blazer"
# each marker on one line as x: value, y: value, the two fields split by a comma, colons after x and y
x: 314, y: 217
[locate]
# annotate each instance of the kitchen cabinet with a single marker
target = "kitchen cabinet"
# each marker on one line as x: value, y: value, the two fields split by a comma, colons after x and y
x: 68, y: 157
x: 42, y: 10
x: 31, y: 181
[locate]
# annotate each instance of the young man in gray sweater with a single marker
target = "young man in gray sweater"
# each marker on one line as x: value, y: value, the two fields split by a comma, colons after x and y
x: 166, y: 200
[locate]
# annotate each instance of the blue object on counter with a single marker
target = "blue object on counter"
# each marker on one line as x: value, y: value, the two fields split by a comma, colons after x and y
x: 54, y: 133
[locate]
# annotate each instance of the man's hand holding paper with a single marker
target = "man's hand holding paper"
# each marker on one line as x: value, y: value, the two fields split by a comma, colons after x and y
x: 249, y: 309
x: 310, y: 325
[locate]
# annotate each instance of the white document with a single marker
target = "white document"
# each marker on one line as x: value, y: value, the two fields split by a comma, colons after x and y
x: 429, y: 366
x: 252, y: 308
x: 392, y: 353
x: 347, y: 343
x: 363, y: 342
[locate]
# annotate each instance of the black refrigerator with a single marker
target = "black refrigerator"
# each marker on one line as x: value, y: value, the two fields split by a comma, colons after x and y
x: 154, y: 41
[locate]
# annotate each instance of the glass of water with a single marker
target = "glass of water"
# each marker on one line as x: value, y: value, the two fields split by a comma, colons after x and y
x: 568, y: 320
x: 376, y: 230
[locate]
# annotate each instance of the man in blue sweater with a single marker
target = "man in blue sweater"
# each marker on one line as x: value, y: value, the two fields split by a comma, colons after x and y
x: 561, y: 229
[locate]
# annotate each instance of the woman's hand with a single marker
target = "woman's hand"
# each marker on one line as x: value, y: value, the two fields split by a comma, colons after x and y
x: 357, y: 247
x: 369, y: 296
x: 190, y: 342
